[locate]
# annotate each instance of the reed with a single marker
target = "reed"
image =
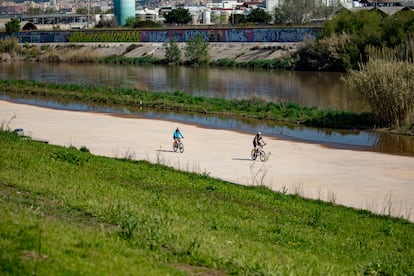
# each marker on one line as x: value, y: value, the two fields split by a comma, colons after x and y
x: 387, y: 84
x: 10, y: 46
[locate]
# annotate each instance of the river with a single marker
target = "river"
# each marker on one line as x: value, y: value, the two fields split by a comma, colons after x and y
x: 320, y: 89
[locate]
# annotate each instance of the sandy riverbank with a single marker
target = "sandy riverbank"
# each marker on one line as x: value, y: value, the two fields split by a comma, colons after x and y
x: 378, y: 182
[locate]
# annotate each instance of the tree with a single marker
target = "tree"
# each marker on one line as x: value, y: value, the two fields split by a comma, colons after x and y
x: 259, y: 16
x: 13, y: 26
x: 172, y: 52
x: 296, y: 11
x: 178, y: 16
x: 238, y: 19
x: 147, y: 24
x: 197, y: 50
x: 278, y: 16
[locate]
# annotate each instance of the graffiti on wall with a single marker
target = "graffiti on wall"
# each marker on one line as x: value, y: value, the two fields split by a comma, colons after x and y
x: 230, y: 35
x: 179, y: 35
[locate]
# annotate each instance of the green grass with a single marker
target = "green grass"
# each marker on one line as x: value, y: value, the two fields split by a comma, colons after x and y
x: 184, y: 102
x: 282, y: 64
x: 114, y: 59
x: 65, y: 211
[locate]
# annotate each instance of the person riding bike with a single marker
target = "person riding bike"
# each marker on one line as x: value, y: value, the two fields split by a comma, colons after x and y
x: 258, y: 142
x: 177, y: 135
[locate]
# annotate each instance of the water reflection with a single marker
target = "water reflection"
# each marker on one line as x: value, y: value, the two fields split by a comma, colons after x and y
x: 363, y: 140
x: 319, y: 89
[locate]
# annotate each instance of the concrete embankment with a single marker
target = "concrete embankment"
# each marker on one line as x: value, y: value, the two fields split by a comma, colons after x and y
x: 241, y: 52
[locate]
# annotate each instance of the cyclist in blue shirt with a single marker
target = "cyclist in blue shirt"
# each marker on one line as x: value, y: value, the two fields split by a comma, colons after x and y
x: 177, y: 135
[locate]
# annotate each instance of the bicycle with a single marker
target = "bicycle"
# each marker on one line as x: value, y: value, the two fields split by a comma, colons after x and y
x: 178, y: 145
x: 258, y: 152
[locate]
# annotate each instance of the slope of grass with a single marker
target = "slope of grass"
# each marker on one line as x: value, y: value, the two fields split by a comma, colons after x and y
x: 184, y: 102
x: 65, y: 211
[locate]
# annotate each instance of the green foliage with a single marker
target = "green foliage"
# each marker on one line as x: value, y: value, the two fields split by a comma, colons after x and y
x: 396, y: 29
x: 387, y: 85
x: 285, y: 63
x: 172, y: 52
x: 356, y: 31
x: 178, y: 16
x: 196, y: 50
x: 225, y: 62
x: 115, y: 59
x: 337, y: 52
x: 13, y: 26
x: 131, y: 21
x: 64, y: 218
x: 72, y: 156
x: 147, y: 24
x: 366, y: 26
x: 238, y: 19
x: 259, y: 16
x: 278, y: 16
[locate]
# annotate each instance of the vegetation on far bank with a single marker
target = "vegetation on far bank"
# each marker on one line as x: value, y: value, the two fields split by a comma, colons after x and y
x: 345, y: 40
x: 184, y: 102
x: 66, y: 211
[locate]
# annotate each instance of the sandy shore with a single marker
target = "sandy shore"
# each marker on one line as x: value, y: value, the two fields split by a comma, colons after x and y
x: 366, y: 180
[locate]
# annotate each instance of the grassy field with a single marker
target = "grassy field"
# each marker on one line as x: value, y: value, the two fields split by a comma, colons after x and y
x: 65, y: 211
x: 183, y: 102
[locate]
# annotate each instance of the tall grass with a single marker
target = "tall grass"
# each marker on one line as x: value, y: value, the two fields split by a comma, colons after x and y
x: 386, y: 82
x: 283, y: 64
x: 115, y: 59
x: 66, y: 211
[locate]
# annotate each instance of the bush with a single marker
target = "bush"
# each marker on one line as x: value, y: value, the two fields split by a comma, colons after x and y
x: 197, y: 50
x: 387, y: 86
x: 172, y: 52
x: 337, y: 52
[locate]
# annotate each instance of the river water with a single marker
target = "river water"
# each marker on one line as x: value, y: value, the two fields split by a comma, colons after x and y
x: 319, y: 89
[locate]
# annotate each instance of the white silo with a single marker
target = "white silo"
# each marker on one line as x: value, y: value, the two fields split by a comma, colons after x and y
x: 207, y: 17
x: 194, y: 19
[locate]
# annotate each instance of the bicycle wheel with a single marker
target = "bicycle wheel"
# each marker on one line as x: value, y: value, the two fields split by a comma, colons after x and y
x: 175, y: 146
x: 253, y: 154
x: 262, y: 155
x: 181, y: 147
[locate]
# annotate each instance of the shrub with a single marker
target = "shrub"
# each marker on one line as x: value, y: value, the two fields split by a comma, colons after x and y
x: 172, y: 52
x: 337, y: 52
x: 197, y: 50
x: 387, y: 86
